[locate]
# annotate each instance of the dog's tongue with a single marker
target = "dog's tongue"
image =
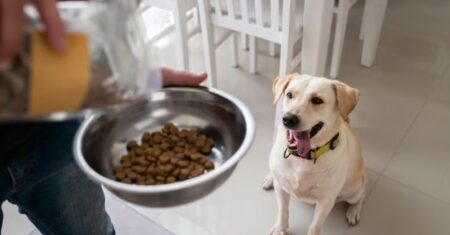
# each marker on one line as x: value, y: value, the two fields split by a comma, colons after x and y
x: 302, y: 141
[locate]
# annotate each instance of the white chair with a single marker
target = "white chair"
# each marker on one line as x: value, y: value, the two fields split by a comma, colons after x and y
x: 342, y: 9
x: 274, y: 24
x: 183, y: 11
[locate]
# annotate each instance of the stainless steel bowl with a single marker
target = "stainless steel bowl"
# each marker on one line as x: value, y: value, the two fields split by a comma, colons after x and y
x: 102, y: 138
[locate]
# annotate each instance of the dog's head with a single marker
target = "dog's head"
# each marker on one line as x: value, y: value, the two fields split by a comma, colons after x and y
x: 312, y: 106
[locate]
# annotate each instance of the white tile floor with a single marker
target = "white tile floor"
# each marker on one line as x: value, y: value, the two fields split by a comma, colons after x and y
x: 403, y: 118
x: 126, y: 220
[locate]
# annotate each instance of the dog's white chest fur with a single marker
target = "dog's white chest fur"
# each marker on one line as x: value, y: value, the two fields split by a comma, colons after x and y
x: 303, y: 186
x: 306, y: 180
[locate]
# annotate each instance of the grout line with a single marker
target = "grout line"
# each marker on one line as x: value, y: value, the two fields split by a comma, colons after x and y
x: 33, y: 231
x: 193, y: 222
x: 418, y: 190
x: 409, y: 187
x: 182, y: 216
x: 139, y: 213
x: 396, y: 150
x: 160, y: 225
x: 381, y: 173
x: 439, y: 77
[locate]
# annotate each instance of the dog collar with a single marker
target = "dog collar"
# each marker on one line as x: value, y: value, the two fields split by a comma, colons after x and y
x: 314, y: 154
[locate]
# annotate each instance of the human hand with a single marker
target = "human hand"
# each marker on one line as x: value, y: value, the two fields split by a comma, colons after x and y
x: 12, y: 21
x: 179, y: 78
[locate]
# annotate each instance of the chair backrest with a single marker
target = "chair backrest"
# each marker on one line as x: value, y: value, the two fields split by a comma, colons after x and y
x: 259, y: 18
x: 169, y: 4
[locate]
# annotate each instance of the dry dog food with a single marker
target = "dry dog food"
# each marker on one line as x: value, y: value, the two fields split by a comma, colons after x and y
x: 166, y: 156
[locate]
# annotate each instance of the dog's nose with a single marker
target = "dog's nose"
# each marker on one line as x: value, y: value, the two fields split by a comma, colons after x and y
x: 290, y: 120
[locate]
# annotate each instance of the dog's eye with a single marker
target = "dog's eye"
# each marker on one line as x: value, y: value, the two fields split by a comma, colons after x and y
x: 289, y: 95
x: 316, y: 100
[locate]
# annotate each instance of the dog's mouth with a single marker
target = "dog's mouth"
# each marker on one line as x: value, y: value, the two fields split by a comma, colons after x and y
x: 301, y: 140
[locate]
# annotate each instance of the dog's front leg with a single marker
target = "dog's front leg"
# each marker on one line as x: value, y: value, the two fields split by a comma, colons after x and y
x: 268, y: 182
x: 280, y: 228
x: 321, y: 212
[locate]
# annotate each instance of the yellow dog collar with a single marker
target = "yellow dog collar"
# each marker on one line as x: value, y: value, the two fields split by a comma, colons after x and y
x: 314, y: 154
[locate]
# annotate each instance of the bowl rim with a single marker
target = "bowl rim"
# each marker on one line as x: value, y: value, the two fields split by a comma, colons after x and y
x: 132, y: 188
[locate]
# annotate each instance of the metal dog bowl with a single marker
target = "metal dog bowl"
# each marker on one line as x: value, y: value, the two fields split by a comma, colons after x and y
x: 101, y: 141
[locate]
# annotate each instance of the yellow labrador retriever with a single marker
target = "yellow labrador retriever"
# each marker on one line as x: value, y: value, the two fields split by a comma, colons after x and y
x: 316, y: 156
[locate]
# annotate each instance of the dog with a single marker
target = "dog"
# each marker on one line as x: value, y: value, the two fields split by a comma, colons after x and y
x: 316, y: 156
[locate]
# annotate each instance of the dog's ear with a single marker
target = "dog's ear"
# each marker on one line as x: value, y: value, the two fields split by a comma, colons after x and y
x: 279, y: 85
x: 347, y: 98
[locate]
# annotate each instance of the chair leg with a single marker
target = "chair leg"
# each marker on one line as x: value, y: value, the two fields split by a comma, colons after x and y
x: 252, y: 54
x: 317, y: 18
x: 181, y: 35
x: 287, y: 41
x: 272, y: 49
x: 244, y: 41
x: 197, y: 19
x: 363, y: 21
x: 234, y: 50
x: 339, y: 36
x: 208, y: 41
x: 374, y: 22
x: 285, y: 59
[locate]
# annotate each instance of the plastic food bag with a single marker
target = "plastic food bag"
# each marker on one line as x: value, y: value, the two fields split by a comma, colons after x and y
x: 123, y: 69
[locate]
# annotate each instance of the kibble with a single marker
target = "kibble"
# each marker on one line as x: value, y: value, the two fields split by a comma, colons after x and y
x: 132, y: 176
x: 200, y: 143
x: 120, y: 175
x: 165, y: 146
x: 209, y: 165
x: 183, y: 163
x: 206, y: 149
x: 195, y: 156
x: 150, y: 181
x: 126, y: 164
x: 184, y: 172
x: 146, y: 137
x: 170, y: 179
x: 131, y: 145
x: 165, y: 157
x: 156, y: 152
x: 160, y: 178
x: 174, y: 161
x: 182, y: 134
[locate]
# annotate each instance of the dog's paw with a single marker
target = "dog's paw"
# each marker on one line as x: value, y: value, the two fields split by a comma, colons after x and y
x: 313, y: 232
x: 278, y: 230
x: 353, y: 214
x: 268, y: 183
